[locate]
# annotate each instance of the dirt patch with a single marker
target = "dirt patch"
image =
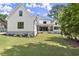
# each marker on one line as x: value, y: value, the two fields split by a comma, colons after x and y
x: 74, y: 43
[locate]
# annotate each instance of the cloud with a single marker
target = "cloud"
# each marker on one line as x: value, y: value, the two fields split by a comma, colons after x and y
x: 46, y: 6
x: 4, y: 13
x: 32, y: 5
x: 49, y: 8
x: 30, y: 11
x: 1, y: 6
x: 5, y: 3
x: 5, y: 9
x: 38, y: 13
x: 40, y: 5
x: 28, y: 5
x: 45, y: 14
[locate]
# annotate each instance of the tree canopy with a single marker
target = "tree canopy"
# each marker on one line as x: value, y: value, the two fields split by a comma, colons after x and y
x: 69, y: 19
x: 53, y: 13
x: 2, y: 17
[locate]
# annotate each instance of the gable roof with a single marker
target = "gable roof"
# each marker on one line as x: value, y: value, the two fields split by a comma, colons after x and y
x: 43, y: 18
x: 17, y: 7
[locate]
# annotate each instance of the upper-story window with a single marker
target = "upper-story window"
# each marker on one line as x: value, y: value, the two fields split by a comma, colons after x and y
x: 55, y: 23
x: 44, y: 22
x: 20, y: 12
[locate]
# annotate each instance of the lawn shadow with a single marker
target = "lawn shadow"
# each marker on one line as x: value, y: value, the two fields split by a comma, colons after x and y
x: 73, y: 51
x: 62, y: 41
x: 39, y: 49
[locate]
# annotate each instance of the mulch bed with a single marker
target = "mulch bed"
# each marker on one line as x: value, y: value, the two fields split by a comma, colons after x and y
x: 74, y: 43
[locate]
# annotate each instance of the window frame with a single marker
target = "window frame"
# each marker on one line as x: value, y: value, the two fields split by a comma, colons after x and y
x: 56, y: 28
x: 56, y: 23
x: 20, y: 13
x: 20, y: 25
x: 44, y: 22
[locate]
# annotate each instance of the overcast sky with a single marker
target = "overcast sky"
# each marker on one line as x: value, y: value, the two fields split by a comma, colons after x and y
x: 41, y: 9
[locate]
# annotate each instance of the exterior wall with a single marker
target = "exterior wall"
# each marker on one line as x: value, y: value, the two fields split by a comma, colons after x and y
x: 42, y: 25
x: 40, y: 22
x: 56, y: 31
x: 21, y: 32
x: 27, y: 18
x: 56, y: 25
x: 50, y: 25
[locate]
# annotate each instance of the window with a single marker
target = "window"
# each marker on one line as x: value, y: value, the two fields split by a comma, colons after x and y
x: 20, y: 25
x: 55, y: 23
x: 56, y: 28
x: 44, y: 22
x: 20, y: 13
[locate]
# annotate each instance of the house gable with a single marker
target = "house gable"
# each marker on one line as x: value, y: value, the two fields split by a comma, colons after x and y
x: 14, y: 18
x: 19, y: 7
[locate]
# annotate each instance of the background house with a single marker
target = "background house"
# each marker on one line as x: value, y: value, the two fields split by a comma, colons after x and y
x: 55, y: 27
x: 43, y: 24
x: 48, y: 25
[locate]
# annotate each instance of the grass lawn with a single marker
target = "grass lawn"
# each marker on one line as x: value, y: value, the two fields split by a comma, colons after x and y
x: 42, y: 45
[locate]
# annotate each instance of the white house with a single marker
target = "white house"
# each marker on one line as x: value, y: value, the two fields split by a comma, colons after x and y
x: 43, y: 24
x: 20, y: 21
x: 55, y: 27
x: 48, y: 25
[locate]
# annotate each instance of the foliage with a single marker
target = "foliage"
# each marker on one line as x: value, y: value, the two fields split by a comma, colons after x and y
x: 2, y: 17
x: 53, y: 13
x: 69, y: 20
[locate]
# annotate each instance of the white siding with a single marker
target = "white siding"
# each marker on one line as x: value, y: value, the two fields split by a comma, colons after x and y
x: 41, y: 21
x: 56, y: 25
x: 27, y: 18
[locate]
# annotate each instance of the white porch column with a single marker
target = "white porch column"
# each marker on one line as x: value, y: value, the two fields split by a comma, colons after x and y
x: 49, y: 28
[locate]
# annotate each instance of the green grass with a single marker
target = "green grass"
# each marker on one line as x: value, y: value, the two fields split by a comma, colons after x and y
x: 42, y: 45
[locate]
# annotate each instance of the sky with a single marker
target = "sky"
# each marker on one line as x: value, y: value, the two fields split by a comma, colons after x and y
x: 41, y: 9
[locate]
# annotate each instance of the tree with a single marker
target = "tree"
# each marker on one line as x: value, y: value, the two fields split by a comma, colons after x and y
x: 2, y: 17
x: 53, y: 13
x: 69, y: 20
